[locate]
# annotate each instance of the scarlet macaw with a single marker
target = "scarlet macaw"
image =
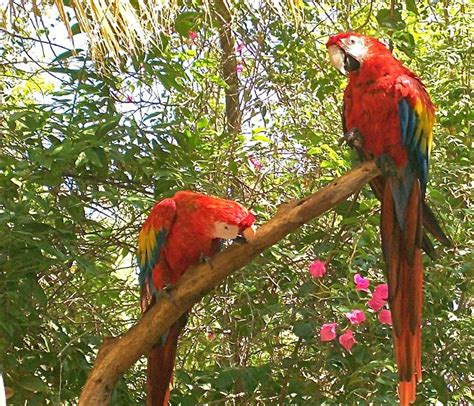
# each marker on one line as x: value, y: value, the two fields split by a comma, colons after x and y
x: 390, y: 117
x: 179, y: 232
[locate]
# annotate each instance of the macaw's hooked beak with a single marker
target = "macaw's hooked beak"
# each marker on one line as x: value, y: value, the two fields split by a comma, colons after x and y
x: 246, y: 234
x: 247, y: 227
x: 341, y: 60
x: 250, y: 232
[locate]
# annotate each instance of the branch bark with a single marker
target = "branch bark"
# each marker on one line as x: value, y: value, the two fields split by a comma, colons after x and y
x: 123, y: 352
x: 229, y: 67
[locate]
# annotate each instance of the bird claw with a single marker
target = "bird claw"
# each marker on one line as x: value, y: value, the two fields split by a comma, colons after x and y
x: 386, y: 165
x: 353, y: 138
x: 165, y: 293
x: 204, y: 259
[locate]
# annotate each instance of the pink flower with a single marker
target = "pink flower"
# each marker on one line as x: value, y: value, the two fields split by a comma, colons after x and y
x: 379, y: 297
x: 361, y: 282
x: 239, y: 67
x: 385, y: 317
x: 239, y: 47
x: 255, y: 163
x: 347, y: 340
x: 129, y: 98
x: 317, y: 268
x: 328, y: 332
x: 211, y: 336
x: 376, y: 303
x: 356, y: 316
x: 192, y: 36
x: 381, y: 291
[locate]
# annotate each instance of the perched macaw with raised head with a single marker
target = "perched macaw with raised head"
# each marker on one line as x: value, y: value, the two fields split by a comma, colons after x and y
x: 388, y: 115
x: 180, y: 232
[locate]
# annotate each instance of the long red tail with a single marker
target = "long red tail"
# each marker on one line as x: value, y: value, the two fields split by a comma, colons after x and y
x: 160, y: 366
x: 402, y: 249
x: 161, y: 357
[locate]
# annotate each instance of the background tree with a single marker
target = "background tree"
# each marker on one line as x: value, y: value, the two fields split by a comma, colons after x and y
x: 92, y: 136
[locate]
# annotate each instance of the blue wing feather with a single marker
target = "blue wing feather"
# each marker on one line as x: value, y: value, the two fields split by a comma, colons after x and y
x: 409, y: 123
x: 145, y: 271
x: 152, y: 239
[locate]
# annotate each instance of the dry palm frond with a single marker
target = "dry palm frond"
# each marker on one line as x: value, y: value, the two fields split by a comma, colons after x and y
x: 118, y: 28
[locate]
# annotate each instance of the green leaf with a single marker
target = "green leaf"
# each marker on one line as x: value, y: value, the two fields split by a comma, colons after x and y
x: 261, y: 138
x: 411, y: 6
x: 202, y: 123
x: 186, y: 22
x: 81, y: 160
x: 441, y: 388
x: 405, y: 42
x: 64, y: 55
x: 75, y: 29
x: 226, y: 378
x: 33, y: 384
x: 391, y: 23
x: 109, y: 125
x: 73, y: 205
x: 93, y: 157
x: 303, y: 330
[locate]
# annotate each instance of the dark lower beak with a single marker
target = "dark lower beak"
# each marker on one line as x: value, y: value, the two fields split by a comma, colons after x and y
x: 350, y: 63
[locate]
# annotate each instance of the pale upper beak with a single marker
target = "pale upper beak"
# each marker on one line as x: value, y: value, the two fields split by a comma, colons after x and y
x: 336, y: 56
x: 249, y: 233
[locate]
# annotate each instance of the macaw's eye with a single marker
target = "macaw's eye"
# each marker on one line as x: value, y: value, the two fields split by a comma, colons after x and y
x: 352, y: 41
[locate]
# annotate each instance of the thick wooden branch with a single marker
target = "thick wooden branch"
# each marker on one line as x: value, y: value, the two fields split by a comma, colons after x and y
x: 123, y: 352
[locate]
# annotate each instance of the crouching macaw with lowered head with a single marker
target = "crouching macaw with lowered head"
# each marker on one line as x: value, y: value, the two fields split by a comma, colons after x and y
x: 179, y: 232
x: 388, y: 115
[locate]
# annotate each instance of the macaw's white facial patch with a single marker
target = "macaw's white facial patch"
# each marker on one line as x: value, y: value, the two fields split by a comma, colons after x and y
x: 225, y: 231
x: 355, y: 47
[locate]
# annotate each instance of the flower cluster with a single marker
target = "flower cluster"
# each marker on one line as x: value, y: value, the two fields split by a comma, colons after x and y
x: 377, y: 301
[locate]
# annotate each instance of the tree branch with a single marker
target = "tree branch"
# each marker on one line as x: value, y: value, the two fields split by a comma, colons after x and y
x: 123, y: 352
x: 229, y: 67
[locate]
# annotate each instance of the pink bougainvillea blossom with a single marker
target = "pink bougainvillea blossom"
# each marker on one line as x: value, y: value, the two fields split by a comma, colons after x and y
x: 239, y: 68
x: 361, y: 282
x: 381, y: 291
x: 385, y: 317
x: 255, y: 163
x: 347, y: 340
x: 317, y: 268
x: 239, y: 47
x: 129, y: 98
x: 356, y: 316
x: 376, y: 303
x: 328, y: 332
x: 192, y: 35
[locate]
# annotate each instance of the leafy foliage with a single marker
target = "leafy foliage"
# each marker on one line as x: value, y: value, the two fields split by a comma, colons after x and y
x: 85, y: 154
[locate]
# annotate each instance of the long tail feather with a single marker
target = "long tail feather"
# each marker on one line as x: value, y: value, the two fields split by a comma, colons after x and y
x: 402, y: 247
x: 161, y: 359
x: 430, y: 224
x: 428, y: 247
